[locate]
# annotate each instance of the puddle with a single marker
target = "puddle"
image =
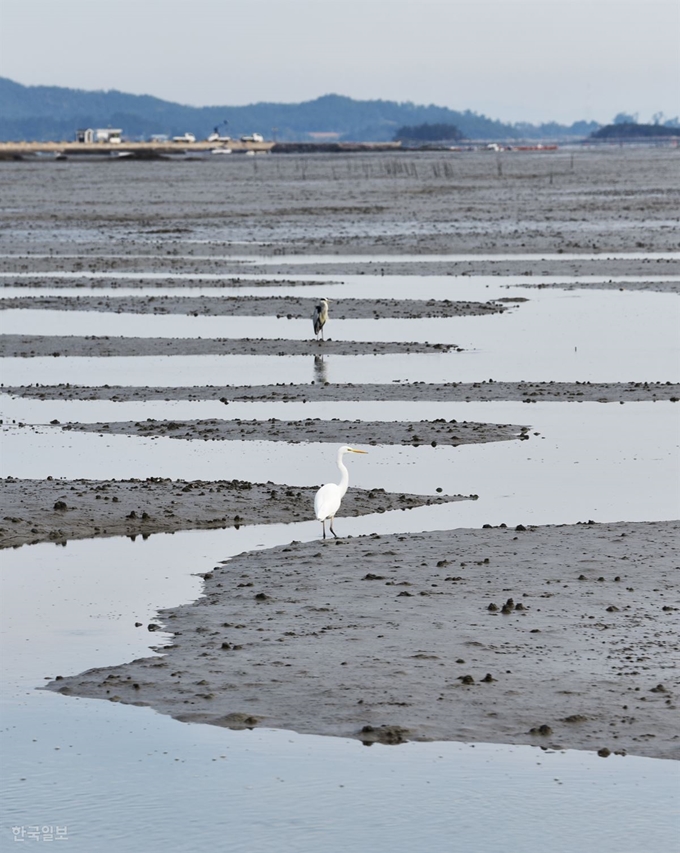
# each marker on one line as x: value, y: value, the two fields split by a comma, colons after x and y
x: 587, y: 463
x: 104, y: 771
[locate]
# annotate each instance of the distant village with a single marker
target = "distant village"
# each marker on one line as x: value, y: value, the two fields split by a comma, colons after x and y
x: 97, y: 143
x: 114, y: 136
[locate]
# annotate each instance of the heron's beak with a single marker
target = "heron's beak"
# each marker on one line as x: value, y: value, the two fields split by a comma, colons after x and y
x: 352, y: 450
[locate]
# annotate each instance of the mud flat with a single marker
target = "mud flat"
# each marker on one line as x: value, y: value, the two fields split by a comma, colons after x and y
x: 585, y: 201
x: 58, y: 510
x: 553, y: 636
x: 528, y: 392
x: 252, y: 306
x: 66, y: 271
x: 29, y: 346
x: 650, y: 286
x: 314, y: 429
x: 55, y: 271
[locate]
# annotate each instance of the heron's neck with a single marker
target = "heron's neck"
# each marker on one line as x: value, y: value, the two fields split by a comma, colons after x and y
x: 344, y: 480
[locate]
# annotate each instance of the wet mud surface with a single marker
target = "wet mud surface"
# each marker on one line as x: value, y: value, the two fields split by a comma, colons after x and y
x: 551, y: 636
x: 252, y: 306
x: 621, y: 284
x: 31, y: 346
x: 528, y: 392
x: 585, y: 201
x: 58, y: 510
x: 217, y: 271
x: 335, y: 431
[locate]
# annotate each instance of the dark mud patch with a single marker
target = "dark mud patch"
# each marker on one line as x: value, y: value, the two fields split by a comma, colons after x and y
x: 527, y: 392
x: 35, y: 346
x: 294, y: 638
x: 437, y: 432
x: 290, y: 307
x: 58, y: 510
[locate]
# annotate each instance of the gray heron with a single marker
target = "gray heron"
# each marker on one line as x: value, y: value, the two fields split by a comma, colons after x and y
x: 329, y: 497
x: 319, y: 317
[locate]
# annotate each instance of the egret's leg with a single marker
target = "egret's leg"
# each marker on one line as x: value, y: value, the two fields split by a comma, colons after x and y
x: 323, y: 525
x: 333, y: 531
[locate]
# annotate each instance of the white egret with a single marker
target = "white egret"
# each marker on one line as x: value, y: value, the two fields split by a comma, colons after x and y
x: 329, y: 497
x: 319, y: 317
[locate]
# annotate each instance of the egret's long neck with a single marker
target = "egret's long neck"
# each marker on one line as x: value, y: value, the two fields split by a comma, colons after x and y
x: 344, y: 480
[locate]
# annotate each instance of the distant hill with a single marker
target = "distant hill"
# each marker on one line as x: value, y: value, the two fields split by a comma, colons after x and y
x: 44, y: 113
x: 633, y: 130
x: 422, y: 134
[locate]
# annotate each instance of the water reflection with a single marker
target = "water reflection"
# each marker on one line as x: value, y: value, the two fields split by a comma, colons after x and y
x: 320, y: 370
x: 190, y: 787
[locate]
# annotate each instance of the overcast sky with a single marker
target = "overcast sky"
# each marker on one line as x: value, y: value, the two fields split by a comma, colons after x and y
x: 516, y: 60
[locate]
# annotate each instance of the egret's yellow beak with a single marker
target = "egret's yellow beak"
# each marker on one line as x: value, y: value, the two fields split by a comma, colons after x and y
x: 352, y: 450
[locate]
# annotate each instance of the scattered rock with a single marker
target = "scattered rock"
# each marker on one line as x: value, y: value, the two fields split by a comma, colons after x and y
x: 390, y: 735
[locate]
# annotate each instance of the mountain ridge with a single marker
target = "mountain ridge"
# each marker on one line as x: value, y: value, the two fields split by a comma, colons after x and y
x: 44, y: 113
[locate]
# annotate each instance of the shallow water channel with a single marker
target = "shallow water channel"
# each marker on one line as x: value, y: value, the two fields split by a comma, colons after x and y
x: 589, y: 460
x: 598, y: 336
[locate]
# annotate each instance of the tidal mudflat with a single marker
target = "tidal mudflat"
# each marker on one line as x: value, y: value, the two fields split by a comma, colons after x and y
x: 390, y: 634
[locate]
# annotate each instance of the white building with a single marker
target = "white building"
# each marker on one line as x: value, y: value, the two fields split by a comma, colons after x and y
x: 91, y: 135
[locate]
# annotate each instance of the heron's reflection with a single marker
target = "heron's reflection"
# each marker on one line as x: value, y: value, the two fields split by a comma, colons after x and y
x: 320, y: 370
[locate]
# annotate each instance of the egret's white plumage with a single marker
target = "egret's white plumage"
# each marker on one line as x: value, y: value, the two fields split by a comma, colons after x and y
x: 319, y: 317
x: 329, y: 497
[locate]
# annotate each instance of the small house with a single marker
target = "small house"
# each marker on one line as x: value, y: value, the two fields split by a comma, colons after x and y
x: 93, y: 135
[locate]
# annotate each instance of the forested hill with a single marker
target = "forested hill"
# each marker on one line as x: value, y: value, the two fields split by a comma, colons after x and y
x: 51, y: 112
x: 633, y: 130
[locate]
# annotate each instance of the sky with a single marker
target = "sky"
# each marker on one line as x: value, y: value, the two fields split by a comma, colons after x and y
x: 514, y: 60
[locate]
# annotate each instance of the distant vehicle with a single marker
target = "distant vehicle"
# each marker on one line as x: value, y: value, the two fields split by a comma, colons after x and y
x: 215, y: 137
x: 254, y: 137
x: 188, y: 137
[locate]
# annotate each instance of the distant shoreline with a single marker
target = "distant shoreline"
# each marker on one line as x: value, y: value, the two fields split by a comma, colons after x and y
x: 133, y: 150
x: 100, y: 151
